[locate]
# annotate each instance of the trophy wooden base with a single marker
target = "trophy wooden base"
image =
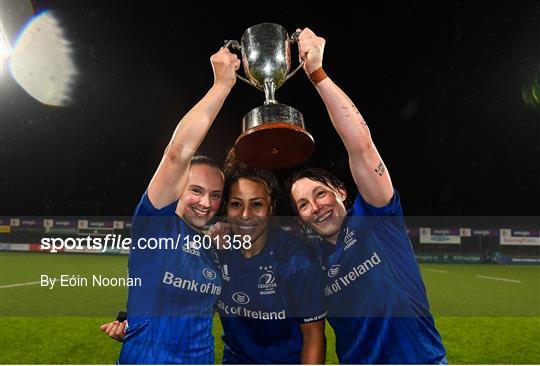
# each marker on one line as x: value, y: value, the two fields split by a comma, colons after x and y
x: 274, y: 138
x: 277, y: 145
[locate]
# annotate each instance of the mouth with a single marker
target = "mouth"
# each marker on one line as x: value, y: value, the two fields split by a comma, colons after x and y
x: 324, y: 217
x: 245, y: 227
x: 200, y: 212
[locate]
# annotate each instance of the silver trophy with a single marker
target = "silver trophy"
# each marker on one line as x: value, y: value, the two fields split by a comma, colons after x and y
x: 273, y: 135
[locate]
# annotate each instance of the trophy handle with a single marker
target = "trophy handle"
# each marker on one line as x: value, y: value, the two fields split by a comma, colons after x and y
x: 235, y: 46
x: 293, y: 39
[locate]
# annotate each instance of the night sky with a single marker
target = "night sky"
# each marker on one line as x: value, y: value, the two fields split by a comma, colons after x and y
x: 440, y: 85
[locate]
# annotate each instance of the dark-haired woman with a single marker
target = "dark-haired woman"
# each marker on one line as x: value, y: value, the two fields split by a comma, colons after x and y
x: 271, y: 306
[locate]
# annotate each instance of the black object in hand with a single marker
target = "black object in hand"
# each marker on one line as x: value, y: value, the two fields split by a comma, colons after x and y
x: 122, y: 315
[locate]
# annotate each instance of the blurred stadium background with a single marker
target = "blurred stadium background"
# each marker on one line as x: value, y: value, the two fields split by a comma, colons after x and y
x: 482, y: 277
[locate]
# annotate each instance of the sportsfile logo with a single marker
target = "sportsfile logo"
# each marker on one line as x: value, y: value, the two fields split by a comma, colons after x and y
x: 349, y: 239
x: 267, y: 281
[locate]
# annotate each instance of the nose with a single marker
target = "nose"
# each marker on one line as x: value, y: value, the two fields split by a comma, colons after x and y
x: 315, y: 207
x: 246, y: 213
x: 205, y: 201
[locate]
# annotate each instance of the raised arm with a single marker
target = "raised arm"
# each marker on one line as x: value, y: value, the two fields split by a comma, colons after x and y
x: 368, y: 170
x: 171, y: 175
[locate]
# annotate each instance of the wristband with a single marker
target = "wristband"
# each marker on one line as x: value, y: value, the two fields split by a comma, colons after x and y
x: 317, y: 76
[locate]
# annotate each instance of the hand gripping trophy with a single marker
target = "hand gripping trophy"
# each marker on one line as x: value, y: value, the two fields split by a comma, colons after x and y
x: 273, y: 134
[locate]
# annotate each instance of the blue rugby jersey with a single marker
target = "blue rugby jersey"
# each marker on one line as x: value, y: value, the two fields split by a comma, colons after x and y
x: 170, y: 315
x: 377, y: 302
x: 265, y: 299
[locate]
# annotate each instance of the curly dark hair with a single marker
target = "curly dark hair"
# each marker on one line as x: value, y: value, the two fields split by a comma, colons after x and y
x: 318, y: 175
x: 234, y: 169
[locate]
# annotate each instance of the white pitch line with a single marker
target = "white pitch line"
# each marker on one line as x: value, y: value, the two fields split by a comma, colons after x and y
x: 436, y: 270
x: 21, y: 284
x: 499, y: 279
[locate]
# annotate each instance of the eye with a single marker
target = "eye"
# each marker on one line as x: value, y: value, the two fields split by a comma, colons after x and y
x: 234, y: 204
x: 216, y: 196
x: 256, y: 204
x: 197, y: 191
x: 302, y: 206
x: 321, y: 194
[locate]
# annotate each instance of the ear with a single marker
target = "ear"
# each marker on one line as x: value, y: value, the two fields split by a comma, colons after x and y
x: 272, y: 208
x: 342, y: 194
x: 179, y: 208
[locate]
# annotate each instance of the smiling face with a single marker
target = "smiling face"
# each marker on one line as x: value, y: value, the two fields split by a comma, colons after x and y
x: 319, y: 206
x: 249, y: 208
x: 201, y: 198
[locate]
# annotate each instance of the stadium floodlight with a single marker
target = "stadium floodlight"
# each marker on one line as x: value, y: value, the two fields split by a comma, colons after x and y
x: 13, y: 14
x: 41, y: 61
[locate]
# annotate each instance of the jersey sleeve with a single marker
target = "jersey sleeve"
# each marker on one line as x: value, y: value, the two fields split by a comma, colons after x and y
x: 146, y: 208
x: 148, y: 220
x: 362, y: 208
x: 384, y: 228
x: 144, y: 262
x: 385, y: 221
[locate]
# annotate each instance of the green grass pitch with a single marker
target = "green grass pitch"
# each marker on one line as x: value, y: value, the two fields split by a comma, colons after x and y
x: 491, y: 319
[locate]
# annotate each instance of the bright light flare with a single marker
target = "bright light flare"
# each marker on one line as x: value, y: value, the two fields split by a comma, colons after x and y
x: 41, y: 61
x: 5, y: 48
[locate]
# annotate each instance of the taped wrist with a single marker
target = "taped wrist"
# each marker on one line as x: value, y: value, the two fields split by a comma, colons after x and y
x: 317, y: 76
